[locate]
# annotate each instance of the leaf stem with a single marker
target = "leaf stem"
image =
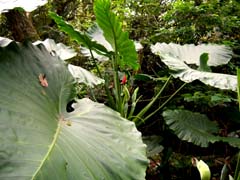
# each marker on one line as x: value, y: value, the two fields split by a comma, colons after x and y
x: 117, y: 85
x: 148, y: 106
x: 237, y: 170
x: 115, y: 60
x: 109, y: 95
x: 95, y: 64
x: 160, y: 107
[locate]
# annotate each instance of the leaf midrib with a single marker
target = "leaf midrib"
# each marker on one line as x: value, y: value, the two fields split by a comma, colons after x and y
x: 51, y: 147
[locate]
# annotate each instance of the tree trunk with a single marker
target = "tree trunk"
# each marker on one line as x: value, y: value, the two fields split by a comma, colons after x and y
x: 21, y: 26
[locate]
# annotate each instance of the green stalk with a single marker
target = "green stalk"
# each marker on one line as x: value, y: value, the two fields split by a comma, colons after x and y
x: 134, y: 103
x: 148, y: 106
x: 93, y: 95
x: 109, y: 95
x: 238, y: 87
x: 95, y: 64
x: 110, y: 98
x: 237, y: 170
x: 117, y: 86
x: 160, y: 107
x: 99, y: 73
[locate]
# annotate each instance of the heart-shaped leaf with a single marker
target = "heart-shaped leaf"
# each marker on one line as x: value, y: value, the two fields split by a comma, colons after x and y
x: 4, y: 41
x: 191, y: 127
x: 187, y: 74
x: 175, y: 56
x: 189, y: 53
x: 84, y: 76
x: 41, y: 140
x: 196, y: 128
x: 59, y: 49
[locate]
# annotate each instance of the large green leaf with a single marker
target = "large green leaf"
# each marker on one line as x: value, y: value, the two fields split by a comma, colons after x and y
x: 29, y: 6
x: 195, y: 127
x: 4, y: 41
x: 153, y: 145
x: 84, y: 76
x: 97, y: 35
x: 40, y: 140
x: 64, y: 52
x: 233, y: 141
x: 59, y: 49
x: 112, y: 31
x: 191, y: 127
x: 175, y: 56
x: 187, y: 74
x: 189, y: 53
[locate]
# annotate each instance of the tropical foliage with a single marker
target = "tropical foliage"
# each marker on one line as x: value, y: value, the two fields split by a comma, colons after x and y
x: 41, y: 137
x: 167, y: 66
x: 38, y: 132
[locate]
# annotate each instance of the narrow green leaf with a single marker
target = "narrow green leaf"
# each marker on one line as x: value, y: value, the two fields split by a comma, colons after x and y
x: 113, y: 33
x: 237, y: 170
x: 147, y: 77
x: 224, y: 172
x: 79, y: 37
x: 238, y: 86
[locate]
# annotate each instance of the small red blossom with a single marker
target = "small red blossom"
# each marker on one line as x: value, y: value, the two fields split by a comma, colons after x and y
x: 124, y: 79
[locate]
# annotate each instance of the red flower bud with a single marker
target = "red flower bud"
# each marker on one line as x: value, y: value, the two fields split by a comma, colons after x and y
x: 124, y: 79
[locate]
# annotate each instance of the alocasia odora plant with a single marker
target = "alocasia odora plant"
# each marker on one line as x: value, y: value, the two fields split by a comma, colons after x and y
x: 193, y: 126
x: 108, y: 39
x: 41, y: 140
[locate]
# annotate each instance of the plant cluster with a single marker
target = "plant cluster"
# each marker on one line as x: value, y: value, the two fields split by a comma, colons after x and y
x: 44, y: 121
